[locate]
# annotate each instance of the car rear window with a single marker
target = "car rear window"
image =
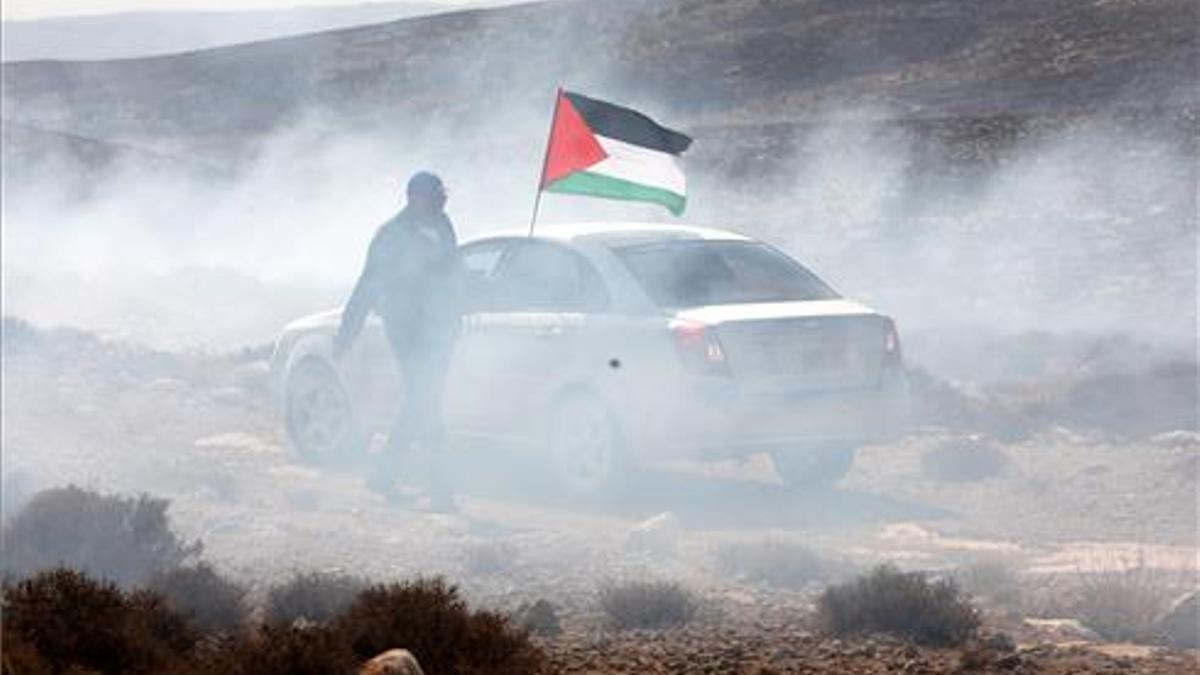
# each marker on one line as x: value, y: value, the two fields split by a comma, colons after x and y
x: 701, y: 272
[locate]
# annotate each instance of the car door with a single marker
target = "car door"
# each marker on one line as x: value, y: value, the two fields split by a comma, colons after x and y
x: 472, y: 384
x: 534, y: 328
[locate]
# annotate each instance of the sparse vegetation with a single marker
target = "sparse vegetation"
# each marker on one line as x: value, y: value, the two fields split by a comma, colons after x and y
x: 647, y: 604
x: 282, y: 650
x: 312, y: 596
x: 124, y: 539
x: 427, y: 617
x: 1122, y: 604
x: 905, y: 604
x: 992, y: 578
x: 215, y: 604
x: 61, y: 620
x: 774, y: 562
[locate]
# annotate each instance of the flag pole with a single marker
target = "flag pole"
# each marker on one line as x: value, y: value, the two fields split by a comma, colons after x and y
x: 537, y: 200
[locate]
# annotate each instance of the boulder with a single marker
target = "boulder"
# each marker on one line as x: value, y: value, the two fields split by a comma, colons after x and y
x: 393, y: 662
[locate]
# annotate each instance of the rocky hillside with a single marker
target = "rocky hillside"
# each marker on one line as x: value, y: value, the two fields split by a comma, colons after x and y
x: 724, y: 63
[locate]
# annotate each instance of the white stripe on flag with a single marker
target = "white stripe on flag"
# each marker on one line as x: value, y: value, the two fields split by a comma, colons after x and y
x: 640, y: 165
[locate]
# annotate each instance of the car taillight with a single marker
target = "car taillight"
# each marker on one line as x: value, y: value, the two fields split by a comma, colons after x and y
x: 891, y: 343
x: 699, y: 348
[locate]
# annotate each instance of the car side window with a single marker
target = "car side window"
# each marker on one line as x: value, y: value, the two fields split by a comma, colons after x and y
x: 541, y: 276
x: 480, y: 261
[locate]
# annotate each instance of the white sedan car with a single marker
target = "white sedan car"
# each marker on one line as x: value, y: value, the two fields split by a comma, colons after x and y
x: 606, y: 345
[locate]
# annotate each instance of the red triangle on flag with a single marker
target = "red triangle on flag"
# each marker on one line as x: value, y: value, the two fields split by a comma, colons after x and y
x: 573, y: 147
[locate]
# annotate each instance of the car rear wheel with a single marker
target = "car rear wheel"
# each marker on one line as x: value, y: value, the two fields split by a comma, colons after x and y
x: 586, y: 445
x: 813, y: 467
x: 320, y: 421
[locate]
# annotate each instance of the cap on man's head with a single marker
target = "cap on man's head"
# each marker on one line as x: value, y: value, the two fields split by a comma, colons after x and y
x: 424, y: 184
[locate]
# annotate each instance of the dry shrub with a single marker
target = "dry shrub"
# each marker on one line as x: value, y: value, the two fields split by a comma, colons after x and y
x: 647, y: 604
x: 965, y: 459
x: 427, y: 617
x: 312, y: 596
x: 213, y: 603
x: 993, y: 578
x: 64, y: 619
x: 490, y: 558
x: 774, y: 562
x: 1122, y: 604
x: 282, y: 650
x: 905, y: 604
x: 125, y: 539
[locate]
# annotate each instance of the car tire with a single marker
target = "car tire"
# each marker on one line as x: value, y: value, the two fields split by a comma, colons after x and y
x: 320, y: 421
x: 813, y: 467
x: 586, y: 445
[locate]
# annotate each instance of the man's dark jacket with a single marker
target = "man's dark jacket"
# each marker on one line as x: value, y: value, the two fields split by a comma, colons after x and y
x: 411, y: 279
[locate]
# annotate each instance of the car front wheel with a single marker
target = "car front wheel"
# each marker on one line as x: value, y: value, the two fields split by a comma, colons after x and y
x: 320, y: 421
x: 813, y: 467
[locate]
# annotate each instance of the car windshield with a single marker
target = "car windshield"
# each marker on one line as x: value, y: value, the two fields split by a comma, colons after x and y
x: 693, y: 273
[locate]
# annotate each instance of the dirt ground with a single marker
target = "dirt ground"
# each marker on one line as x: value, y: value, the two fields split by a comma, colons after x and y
x: 202, y: 431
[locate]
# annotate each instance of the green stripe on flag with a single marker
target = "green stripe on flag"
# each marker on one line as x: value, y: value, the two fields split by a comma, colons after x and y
x: 598, y: 185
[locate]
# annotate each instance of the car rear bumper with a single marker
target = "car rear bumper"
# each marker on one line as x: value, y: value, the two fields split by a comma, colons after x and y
x: 721, y: 421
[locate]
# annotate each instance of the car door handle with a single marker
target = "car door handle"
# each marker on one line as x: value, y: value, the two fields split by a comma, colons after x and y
x: 548, y: 331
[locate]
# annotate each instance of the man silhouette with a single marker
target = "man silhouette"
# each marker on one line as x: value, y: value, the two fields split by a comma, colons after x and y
x: 411, y: 279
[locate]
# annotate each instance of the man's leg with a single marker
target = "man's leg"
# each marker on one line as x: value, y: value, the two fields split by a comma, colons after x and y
x: 430, y: 382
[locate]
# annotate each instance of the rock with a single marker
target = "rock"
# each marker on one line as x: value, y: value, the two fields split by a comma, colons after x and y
x: 540, y: 618
x: 1064, y: 629
x: 393, y: 662
x: 1180, y: 625
x: 659, y: 534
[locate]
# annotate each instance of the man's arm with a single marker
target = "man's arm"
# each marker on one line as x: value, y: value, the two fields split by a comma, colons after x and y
x: 361, y: 302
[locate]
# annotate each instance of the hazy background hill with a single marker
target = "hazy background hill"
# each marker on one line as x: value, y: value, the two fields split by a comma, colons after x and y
x: 1029, y: 164
x: 147, y: 33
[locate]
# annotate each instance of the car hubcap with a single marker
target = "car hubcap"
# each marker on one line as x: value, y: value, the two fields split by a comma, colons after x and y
x: 319, y: 415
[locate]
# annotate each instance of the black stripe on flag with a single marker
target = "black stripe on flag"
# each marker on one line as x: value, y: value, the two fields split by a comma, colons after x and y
x: 624, y: 124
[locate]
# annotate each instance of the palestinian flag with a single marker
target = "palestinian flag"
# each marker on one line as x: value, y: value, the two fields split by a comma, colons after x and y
x: 605, y: 150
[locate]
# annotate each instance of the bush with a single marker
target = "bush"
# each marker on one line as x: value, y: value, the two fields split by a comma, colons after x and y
x: 428, y: 618
x: 63, y: 619
x: 282, y: 650
x: 312, y: 596
x: 774, y: 562
x: 214, y: 603
x: 126, y: 540
x: 905, y: 604
x: 647, y: 604
x: 1123, y: 605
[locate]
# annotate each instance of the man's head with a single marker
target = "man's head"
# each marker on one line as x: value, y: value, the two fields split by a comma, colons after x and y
x: 425, y: 191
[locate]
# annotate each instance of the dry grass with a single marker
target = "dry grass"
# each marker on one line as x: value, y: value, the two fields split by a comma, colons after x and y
x: 213, y: 603
x: 647, y: 604
x: 428, y: 618
x: 312, y: 596
x: 904, y: 604
x: 1122, y: 604
x: 61, y: 619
